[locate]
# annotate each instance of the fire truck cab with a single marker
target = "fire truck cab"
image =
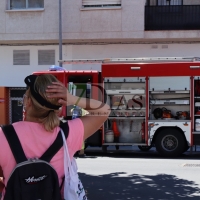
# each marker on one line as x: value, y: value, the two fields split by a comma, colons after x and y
x: 153, y: 101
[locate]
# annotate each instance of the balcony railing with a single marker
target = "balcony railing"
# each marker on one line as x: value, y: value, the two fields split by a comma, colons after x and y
x: 179, y: 17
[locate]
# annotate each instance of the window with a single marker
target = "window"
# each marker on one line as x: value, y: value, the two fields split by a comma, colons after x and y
x: 21, y: 57
x: 46, y: 57
x: 170, y: 2
x: 26, y: 4
x: 101, y: 3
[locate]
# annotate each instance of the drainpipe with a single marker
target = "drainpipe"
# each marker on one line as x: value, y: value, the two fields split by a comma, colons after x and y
x: 60, y: 33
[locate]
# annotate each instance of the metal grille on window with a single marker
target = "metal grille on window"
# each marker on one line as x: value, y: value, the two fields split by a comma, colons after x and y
x: 46, y: 57
x: 101, y: 3
x: 21, y: 57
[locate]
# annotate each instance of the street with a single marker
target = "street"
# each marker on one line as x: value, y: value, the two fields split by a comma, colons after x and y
x: 139, y: 175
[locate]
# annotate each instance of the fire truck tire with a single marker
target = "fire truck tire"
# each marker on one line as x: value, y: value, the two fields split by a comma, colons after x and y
x: 104, y: 148
x: 144, y: 148
x: 170, y: 142
x: 186, y: 148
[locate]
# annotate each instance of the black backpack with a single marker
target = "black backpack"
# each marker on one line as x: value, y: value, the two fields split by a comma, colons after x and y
x: 33, y: 179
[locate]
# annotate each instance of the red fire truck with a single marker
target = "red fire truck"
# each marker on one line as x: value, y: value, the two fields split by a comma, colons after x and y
x: 153, y: 101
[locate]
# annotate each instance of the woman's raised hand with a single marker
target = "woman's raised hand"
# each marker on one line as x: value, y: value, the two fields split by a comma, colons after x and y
x: 58, y: 90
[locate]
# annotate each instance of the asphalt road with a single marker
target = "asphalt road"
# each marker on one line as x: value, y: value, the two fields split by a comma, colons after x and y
x: 132, y: 174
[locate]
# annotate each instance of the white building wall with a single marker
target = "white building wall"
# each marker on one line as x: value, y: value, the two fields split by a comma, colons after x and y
x: 13, y: 75
x: 82, y: 25
x: 134, y: 50
x: 2, y: 18
x: 28, y: 29
x: 22, y: 26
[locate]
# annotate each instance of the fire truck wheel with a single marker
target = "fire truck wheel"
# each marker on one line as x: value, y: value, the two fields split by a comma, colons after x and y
x: 104, y: 148
x: 170, y: 142
x: 186, y: 148
x: 144, y: 148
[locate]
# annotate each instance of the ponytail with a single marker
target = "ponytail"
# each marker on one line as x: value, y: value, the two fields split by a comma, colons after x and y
x: 50, y: 121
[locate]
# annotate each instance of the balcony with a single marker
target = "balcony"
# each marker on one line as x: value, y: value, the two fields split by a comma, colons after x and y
x: 173, y: 17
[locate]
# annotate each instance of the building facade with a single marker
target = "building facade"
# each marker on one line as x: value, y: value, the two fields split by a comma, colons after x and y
x: 92, y: 29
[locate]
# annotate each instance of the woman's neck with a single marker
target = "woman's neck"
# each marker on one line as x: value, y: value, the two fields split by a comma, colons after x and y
x: 31, y: 119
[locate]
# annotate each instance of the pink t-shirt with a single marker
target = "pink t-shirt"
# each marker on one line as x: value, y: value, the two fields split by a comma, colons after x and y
x: 35, y: 140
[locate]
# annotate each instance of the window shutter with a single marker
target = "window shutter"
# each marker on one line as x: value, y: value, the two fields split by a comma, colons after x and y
x: 46, y: 57
x: 21, y: 57
x: 101, y: 2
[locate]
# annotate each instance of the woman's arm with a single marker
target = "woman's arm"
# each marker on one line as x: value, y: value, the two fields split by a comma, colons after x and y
x: 98, y: 111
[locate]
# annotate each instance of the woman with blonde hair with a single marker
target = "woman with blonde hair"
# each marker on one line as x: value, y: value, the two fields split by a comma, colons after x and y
x: 42, y: 102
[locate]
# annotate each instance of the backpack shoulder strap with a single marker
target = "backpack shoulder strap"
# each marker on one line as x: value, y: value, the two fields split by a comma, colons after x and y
x: 14, y: 143
x: 57, y: 144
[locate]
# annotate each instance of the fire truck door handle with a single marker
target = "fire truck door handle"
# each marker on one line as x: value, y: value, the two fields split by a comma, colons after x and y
x: 194, y: 67
x: 135, y: 68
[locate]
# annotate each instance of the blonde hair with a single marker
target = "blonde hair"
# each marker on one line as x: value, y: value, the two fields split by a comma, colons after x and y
x: 46, y: 116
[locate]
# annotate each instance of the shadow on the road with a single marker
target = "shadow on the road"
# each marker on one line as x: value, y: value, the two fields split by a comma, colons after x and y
x: 119, y: 186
